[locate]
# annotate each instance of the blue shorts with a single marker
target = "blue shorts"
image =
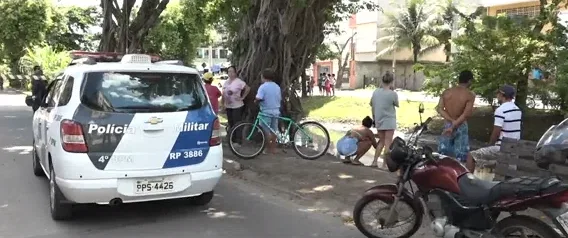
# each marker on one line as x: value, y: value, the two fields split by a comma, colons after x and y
x: 456, y: 144
x: 268, y: 122
x: 347, y: 146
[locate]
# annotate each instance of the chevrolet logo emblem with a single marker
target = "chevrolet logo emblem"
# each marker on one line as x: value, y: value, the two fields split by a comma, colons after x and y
x: 154, y: 120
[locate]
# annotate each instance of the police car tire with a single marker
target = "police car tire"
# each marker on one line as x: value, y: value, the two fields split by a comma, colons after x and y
x: 202, y: 199
x: 38, y: 171
x: 59, y: 210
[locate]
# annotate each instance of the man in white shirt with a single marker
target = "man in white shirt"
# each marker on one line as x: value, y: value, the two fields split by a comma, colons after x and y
x: 507, y: 124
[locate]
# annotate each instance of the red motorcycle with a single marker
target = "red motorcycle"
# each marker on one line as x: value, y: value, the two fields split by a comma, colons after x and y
x: 458, y: 203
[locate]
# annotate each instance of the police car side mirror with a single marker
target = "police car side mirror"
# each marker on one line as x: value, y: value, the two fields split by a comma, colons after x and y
x: 29, y: 101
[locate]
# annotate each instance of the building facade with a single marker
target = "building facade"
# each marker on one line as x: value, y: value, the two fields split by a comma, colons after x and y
x: 365, y: 65
x: 211, y: 56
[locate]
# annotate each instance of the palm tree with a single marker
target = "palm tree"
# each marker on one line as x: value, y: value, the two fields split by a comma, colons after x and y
x: 449, y: 15
x: 411, y: 27
x: 444, y: 30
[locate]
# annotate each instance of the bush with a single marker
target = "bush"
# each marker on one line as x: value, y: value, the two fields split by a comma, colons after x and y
x: 50, y: 60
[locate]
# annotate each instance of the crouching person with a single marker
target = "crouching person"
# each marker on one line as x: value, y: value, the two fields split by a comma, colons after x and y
x: 357, y: 142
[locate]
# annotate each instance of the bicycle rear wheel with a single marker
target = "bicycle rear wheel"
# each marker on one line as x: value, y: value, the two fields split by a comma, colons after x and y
x: 311, y: 140
x: 246, y: 140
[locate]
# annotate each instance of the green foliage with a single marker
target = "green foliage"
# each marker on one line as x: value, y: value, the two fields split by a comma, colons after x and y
x: 182, y: 29
x: 70, y: 28
x: 4, y: 69
x: 23, y: 23
x: 438, y: 78
x: 51, y: 60
x: 325, y: 52
x: 500, y: 50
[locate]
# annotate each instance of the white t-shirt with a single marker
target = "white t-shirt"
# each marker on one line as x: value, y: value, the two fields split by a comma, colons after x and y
x: 508, y: 117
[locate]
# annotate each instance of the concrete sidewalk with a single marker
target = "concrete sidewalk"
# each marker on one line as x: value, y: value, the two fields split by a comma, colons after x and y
x: 324, y: 185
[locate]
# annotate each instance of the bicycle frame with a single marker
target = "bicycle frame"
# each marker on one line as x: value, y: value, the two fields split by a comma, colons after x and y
x: 259, y: 120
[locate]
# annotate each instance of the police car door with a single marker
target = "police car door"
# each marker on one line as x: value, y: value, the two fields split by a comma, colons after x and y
x: 145, y: 120
x: 44, y: 121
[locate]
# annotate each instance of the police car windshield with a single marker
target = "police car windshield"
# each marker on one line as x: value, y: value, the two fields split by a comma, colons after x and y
x: 142, y: 92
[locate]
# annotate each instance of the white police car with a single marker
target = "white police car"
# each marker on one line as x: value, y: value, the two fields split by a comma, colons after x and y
x: 123, y: 132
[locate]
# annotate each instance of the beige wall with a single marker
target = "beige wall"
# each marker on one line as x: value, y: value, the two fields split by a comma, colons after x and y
x: 492, y: 11
x: 365, y: 40
x: 404, y: 74
x: 405, y: 54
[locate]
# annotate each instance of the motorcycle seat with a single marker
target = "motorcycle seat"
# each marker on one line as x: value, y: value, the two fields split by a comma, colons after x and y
x: 482, y: 192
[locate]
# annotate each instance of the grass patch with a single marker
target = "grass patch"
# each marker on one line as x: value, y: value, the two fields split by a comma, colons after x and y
x: 354, y: 109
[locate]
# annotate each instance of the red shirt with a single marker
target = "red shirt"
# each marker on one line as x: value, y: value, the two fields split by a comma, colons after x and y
x: 214, y: 94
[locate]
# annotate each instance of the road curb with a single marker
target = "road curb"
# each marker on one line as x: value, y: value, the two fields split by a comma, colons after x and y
x: 235, y: 169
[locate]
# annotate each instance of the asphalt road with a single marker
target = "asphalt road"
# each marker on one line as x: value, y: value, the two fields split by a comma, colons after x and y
x: 238, y: 209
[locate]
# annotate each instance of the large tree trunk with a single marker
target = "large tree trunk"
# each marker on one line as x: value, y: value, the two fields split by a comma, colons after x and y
x: 304, y: 83
x: 343, y: 64
x: 125, y: 36
x: 282, y: 37
x: 341, y: 70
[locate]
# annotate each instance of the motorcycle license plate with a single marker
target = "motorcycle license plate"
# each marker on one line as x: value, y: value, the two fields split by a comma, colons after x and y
x: 563, y: 220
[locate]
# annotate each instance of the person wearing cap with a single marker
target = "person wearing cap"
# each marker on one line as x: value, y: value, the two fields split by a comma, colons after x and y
x: 212, y: 91
x: 507, y: 124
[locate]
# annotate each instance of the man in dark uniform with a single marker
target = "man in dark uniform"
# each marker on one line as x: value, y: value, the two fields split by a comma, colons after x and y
x: 39, y: 87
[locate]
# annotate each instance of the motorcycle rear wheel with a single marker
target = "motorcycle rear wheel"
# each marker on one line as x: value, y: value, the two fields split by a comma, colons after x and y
x: 517, y: 222
x: 366, y: 200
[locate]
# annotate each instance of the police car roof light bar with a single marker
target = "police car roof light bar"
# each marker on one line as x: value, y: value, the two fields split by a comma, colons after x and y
x: 85, y: 60
x: 136, y: 59
x: 104, y: 56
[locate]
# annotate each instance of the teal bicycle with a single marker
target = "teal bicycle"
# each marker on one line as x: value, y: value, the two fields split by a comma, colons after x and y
x: 309, y: 139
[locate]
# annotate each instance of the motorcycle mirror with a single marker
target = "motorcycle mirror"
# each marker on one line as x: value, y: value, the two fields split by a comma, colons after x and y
x: 421, y: 108
x: 29, y: 101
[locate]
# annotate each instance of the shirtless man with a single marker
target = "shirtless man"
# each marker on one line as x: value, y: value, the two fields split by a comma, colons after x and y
x: 455, y: 106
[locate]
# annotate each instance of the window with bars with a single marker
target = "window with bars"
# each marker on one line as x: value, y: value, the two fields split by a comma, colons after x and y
x: 530, y: 11
x: 223, y: 53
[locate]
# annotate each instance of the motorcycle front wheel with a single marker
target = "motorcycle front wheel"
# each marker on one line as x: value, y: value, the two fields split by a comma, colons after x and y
x: 525, y: 226
x: 373, y: 225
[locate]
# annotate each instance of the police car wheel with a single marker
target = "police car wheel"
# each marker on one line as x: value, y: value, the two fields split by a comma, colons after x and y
x: 38, y: 171
x: 202, y: 199
x: 59, y: 210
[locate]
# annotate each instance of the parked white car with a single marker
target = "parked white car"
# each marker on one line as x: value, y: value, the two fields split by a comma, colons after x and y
x: 124, y: 132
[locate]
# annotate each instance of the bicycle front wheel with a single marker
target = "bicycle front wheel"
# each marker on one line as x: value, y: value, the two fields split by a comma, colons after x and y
x: 311, y: 140
x: 246, y: 140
